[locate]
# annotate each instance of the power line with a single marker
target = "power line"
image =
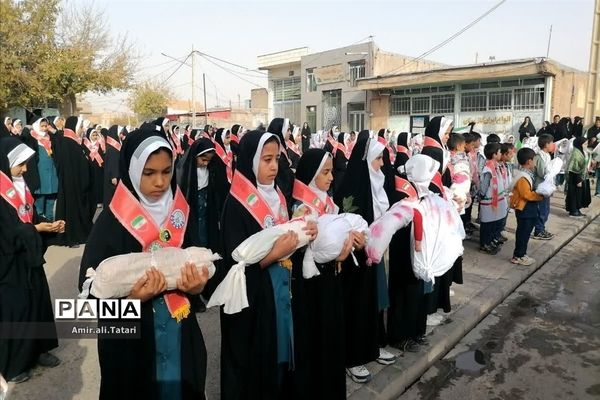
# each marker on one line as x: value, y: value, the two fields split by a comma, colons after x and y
x: 231, y: 72
x: 448, y: 40
x: 230, y: 63
x: 176, y: 69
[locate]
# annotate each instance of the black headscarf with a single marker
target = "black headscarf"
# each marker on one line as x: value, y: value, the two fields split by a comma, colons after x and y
x: 218, y: 137
x: 306, y: 130
x: 340, y: 138
x: 248, y: 148
x: 578, y: 143
x: 71, y: 123
x: 276, y: 128
x: 433, y: 129
x: 7, y: 145
x: 104, y: 132
x: 193, y: 134
x: 235, y: 129
x: 129, y: 146
x: 401, y: 158
x: 355, y: 189
x: 4, y: 132
x: 577, y: 130
x: 309, y: 164
x: 364, y: 134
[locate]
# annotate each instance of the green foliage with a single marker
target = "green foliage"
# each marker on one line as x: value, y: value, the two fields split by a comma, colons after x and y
x: 348, y: 204
x: 148, y: 100
x: 51, y: 54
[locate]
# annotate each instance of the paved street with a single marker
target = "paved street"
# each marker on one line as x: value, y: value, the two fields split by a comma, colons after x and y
x: 78, y: 376
x: 542, y: 342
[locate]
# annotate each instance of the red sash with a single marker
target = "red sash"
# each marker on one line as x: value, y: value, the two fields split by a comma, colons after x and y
x: 389, y: 149
x: 427, y: 141
x: 349, y: 148
x: 234, y: 138
x: 68, y: 133
x: 9, y: 193
x: 333, y: 144
x: 491, y: 164
x: 305, y: 194
x: 227, y: 160
x: 94, y: 155
x: 292, y: 146
x: 136, y: 220
x: 115, y: 144
x: 343, y: 149
x: 248, y: 196
x: 437, y: 181
x: 403, y: 186
x: 43, y: 141
x: 177, y: 143
x: 190, y: 140
x: 402, y: 149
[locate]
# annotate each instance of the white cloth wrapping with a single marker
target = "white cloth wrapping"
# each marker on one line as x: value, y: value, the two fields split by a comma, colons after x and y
x: 461, y: 185
x: 382, y: 230
x: 333, y: 232
x: 231, y: 292
x: 115, y: 276
x: 443, y: 234
x: 547, y: 187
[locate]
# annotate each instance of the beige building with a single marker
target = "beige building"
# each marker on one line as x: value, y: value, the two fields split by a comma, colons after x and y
x: 322, y: 88
x: 497, y: 95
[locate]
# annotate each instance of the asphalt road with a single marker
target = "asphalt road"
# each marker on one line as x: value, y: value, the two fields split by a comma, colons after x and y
x: 542, y: 342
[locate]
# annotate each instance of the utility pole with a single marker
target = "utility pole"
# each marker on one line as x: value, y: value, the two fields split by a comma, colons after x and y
x: 592, y: 104
x: 204, y: 87
x: 193, y: 89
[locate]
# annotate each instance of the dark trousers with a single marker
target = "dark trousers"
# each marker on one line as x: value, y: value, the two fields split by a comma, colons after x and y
x: 524, y: 228
x: 543, y: 213
x: 466, y: 217
x: 488, y: 231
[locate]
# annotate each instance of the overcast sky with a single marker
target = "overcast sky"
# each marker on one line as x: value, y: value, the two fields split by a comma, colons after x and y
x: 239, y: 31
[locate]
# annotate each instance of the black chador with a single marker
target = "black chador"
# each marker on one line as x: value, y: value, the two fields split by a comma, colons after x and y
x: 74, y: 203
x: 24, y: 293
x: 129, y: 367
x: 111, y: 163
x: 95, y: 154
x: 285, y: 175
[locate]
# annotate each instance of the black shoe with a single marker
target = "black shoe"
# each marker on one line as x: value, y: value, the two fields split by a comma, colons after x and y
x: 74, y: 246
x: 489, y: 249
x: 577, y: 214
x: 407, y: 346
x: 421, y: 340
x: 48, y: 360
x: 22, y: 377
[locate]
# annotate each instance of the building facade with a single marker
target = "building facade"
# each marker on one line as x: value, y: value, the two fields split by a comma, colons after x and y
x: 496, y: 96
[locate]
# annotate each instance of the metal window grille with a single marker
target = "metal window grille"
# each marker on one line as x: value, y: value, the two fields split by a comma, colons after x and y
x: 529, y: 98
x: 332, y: 109
x: 400, y: 106
x: 420, y: 105
x: 473, y: 101
x: 500, y: 100
x: 442, y: 103
x: 286, y: 89
x: 311, y: 82
x: 356, y: 71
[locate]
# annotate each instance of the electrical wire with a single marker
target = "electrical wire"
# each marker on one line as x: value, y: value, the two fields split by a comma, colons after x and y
x: 230, y: 63
x: 231, y: 72
x: 176, y: 69
x: 447, y: 40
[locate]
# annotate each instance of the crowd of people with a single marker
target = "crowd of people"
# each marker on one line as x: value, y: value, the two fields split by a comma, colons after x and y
x: 297, y: 337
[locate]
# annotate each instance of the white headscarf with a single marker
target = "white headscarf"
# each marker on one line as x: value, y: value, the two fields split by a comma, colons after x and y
x: 202, y: 172
x: 17, y: 156
x: 420, y: 170
x: 445, y: 123
x: 321, y: 194
x: 158, y: 209
x: 377, y: 178
x: 268, y: 192
x: 36, y: 126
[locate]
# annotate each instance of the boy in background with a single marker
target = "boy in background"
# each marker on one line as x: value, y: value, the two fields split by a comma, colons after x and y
x: 525, y: 203
x: 541, y: 161
x: 493, y: 206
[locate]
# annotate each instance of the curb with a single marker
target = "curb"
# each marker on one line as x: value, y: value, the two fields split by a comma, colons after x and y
x: 392, y: 381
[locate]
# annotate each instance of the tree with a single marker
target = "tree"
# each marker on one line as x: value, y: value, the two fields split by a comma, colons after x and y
x: 149, y: 100
x: 51, y: 54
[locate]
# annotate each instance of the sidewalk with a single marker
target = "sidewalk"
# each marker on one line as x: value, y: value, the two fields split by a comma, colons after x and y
x: 488, y: 280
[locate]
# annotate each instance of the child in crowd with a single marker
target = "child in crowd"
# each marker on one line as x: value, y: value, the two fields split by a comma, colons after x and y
x: 493, y: 205
x: 472, y: 144
x: 506, y: 172
x: 525, y: 202
x: 541, y: 161
x: 460, y: 171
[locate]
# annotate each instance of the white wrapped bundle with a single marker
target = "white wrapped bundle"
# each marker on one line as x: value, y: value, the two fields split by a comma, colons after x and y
x: 231, y: 292
x: 461, y: 185
x: 333, y: 232
x: 115, y: 276
x: 443, y: 234
x: 547, y: 187
x: 381, y: 231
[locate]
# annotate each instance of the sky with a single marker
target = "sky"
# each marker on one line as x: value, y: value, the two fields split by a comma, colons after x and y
x: 239, y: 31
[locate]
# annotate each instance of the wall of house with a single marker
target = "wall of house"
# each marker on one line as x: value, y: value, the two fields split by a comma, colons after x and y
x: 568, y: 94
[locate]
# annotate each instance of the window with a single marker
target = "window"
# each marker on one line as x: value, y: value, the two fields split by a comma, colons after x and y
x: 356, y: 116
x: 311, y: 117
x: 420, y: 105
x: 529, y: 98
x: 332, y: 109
x: 357, y: 70
x: 400, y: 106
x: 500, y: 100
x: 442, y: 103
x: 311, y: 82
x: 286, y: 89
x: 473, y: 101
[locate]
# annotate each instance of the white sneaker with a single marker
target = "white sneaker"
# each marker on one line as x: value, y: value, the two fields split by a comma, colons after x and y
x: 451, y: 293
x: 359, y: 374
x: 434, y: 319
x: 525, y: 260
x: 385, y: 357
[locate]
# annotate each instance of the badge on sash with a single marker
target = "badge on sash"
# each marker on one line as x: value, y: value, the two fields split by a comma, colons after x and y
x: 164, y: 235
